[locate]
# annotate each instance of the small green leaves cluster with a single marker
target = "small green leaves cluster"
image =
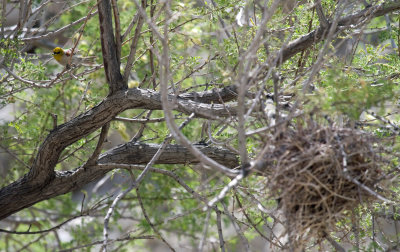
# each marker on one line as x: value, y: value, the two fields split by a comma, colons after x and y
x: 9, y: 49
x: 352, y: 94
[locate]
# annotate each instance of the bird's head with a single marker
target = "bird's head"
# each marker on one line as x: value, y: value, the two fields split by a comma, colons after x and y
x: 58, y: 53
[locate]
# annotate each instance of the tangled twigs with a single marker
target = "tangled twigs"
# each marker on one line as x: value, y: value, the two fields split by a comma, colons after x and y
x: 319, y: 172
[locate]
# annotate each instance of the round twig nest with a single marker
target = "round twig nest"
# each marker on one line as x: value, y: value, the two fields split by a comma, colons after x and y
x: 318, y: 172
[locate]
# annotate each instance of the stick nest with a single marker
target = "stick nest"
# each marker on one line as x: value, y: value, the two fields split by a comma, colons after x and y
x: 313, y: 171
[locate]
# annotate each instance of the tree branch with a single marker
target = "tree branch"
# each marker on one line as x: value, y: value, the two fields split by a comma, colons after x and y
x: 219, y: 95
x: 21, y: 194
x: 139, y: 153
x: 229, y: 93
x: 317, y: 35
x: 109, y: 48
x: 134, y: 44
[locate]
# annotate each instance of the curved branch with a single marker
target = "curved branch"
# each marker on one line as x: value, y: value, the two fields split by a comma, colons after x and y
x: 86, y: 123
x: 35, y: 185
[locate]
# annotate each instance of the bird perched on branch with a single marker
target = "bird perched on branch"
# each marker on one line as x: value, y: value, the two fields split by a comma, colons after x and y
x: 69, y: 57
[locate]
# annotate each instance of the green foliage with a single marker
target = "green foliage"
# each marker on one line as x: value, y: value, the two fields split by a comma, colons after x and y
x: 350, y: 94
x: 9, y: 49
x: 202, y: 57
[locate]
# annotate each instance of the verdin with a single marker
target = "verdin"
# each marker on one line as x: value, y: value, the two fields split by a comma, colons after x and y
x: 67, y: 58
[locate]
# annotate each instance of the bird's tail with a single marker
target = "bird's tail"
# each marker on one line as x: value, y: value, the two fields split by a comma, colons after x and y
x: 87, y: 61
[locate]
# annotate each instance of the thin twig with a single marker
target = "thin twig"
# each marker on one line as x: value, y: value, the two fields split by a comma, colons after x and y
x: 334, y: 243
x: 253, y: 224
x: 135, y: 184
x: 237, y: 228
x: 205, y: 229
x: 46, y: 230
x: 100, y: 142
x: 220, y: 234
x: 358, y: 183
x: 149, y: 221
x: 61, y: 30
x: 110, y: 241
x: 226, y: 189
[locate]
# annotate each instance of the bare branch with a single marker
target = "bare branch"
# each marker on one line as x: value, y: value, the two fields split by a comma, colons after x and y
x: 46, y: 230
x: 320, y: 12
x: 109, y: 48
x: 65, y: 134
x: 220, y: 234
x: 111, y: 211
x: 205, y: 229
x: 140, y: 153
x: 135, y: 41
x: 226, y: 189
x: 59, y: 31
x: 238, y: 230
x: 136, y: 120
x: 117, y: 23
x: 167, y: 106
x: 150, y: 223
x: 97, y: 151
x: 64, y: 182
x: 110, y: 241
x: 317, y: 35
x: 220, y: 95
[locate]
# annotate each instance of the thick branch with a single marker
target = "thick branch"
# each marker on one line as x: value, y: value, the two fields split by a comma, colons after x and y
x: 42, y: 171
x: 134, y: 153
x: 21, y: 194
x: 108, y: 46
x: 88, y: 122
x: 219, y: 95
